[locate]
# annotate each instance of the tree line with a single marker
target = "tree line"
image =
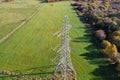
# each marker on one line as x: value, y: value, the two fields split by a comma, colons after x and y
x: 105, y: 23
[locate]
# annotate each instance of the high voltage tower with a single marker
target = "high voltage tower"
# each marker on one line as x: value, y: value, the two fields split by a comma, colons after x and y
x: 64, y: 65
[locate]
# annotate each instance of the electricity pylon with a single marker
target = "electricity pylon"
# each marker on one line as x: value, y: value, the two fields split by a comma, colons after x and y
x: 64, y: 66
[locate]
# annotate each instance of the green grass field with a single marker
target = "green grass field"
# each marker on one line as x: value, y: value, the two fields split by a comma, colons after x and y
x: 29, y: 50
x: 13, y: 13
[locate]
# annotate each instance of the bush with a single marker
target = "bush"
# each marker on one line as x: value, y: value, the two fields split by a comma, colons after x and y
x: 110, y: 51
x: 100, y: 34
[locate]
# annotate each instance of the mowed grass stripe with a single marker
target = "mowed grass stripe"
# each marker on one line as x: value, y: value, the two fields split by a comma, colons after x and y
x: 30, y: 47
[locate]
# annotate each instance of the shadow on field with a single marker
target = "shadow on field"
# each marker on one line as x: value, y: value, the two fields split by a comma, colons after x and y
x: 41, y: 71
x: 104, y: 70
x: 43, y: 1
x: 31, y: 72
x: 85, y: 38
x: 2, y: 77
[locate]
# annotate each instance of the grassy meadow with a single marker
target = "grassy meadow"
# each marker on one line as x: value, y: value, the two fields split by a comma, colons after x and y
x: 15, y: 12
x: 29, y: 50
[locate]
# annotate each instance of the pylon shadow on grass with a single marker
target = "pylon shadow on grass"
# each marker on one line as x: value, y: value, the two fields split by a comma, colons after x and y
x: 38, y: 70
x: 31, y: 72
x: 6, y: 77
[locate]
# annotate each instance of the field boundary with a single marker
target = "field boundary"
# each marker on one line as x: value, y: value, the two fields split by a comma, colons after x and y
x: 21, y: 25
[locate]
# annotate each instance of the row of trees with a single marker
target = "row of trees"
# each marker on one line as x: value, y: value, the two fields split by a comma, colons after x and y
x: 53, y: 0
x: 6, y: 0
x: 105, y: 26
x: 9, y: 0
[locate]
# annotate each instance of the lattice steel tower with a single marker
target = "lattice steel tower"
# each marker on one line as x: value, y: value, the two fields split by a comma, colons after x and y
x: 64, y: 66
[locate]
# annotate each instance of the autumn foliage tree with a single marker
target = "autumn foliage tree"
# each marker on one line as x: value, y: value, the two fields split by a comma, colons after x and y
x: 115, y: 38
x: 110, y: 50
x: 105, y: 44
